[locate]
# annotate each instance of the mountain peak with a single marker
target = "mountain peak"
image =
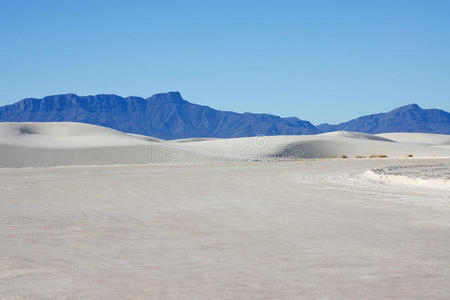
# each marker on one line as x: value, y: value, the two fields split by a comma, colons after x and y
x: 170, y: 97
x: 411, y: 106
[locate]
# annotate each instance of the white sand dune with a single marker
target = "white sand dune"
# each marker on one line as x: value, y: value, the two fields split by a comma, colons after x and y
x: 188, y: 140
x: 325, y: 145
x: 147, y: 138
x: 357, y: 135
x: 57, y: 144
x: 417, y: 138
x: 65, y: 143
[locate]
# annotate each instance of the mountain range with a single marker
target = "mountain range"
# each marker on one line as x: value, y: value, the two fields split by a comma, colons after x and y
x: 165, y: 116
x: 409, y: 118
x: 169, y: 116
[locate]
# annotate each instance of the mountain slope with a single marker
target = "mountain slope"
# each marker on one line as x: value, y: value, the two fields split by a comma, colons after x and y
x: 166, y: 116
x: 409, y: 118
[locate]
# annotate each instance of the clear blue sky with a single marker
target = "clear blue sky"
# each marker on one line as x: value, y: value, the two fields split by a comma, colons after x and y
x: 317, y: 60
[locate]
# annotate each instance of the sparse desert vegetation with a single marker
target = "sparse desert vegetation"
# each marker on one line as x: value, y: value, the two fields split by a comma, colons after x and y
x: 344, y: 156
x: 409, y: 155
x: 378, y: 156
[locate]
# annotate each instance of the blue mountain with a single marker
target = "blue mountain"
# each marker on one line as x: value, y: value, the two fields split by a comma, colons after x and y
x: 166, y: 116
x: 409, y: 118
x: 169, y: 116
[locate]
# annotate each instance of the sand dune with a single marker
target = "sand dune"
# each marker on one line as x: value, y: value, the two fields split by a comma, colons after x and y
x: 350, y: 144
x: 188, y: 140
x: 417, y: 138
x: 65, y: 143
x: 358, y: 135
x: 54, y: 144
x: 147, y: 138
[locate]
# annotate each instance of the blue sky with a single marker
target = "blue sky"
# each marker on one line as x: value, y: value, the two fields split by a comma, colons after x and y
x: 323, y: 61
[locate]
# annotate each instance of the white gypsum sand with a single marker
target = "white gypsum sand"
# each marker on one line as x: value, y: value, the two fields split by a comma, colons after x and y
x: 171, y: 227
x: 305, y: 229
x: 418, y: 138
x: 64, y: 144
x: 59, y: 144
x: 433, y: 176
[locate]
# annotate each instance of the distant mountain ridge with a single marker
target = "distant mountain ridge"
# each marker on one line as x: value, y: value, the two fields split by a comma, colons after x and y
x: 166, y: 116
x: 169, y: 116
x: 408, y: 118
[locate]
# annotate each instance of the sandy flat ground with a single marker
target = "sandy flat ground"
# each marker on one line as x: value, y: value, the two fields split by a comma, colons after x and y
x: 242, y: 230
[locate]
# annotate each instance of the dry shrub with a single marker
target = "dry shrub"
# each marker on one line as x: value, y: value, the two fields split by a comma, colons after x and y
x: 344, y: 156
x: 359, y: 156
x: 378, y: 156
x: 409, y: 155
x: 334, y: 156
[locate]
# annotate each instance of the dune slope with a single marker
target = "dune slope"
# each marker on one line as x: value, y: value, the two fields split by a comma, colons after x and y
x: 65, y: 143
